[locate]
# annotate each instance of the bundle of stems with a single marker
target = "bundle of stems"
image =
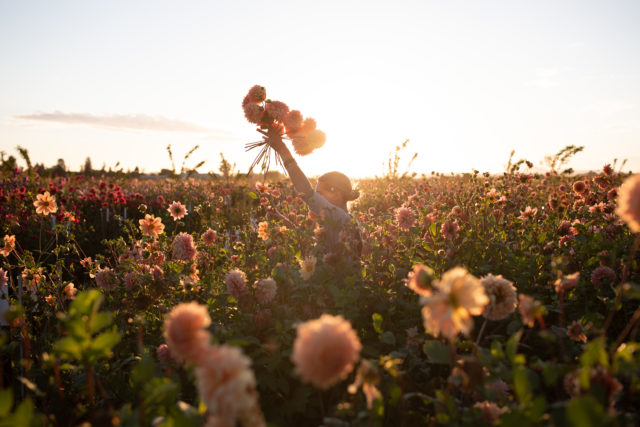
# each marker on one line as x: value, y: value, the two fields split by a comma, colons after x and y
x: 264, y: 155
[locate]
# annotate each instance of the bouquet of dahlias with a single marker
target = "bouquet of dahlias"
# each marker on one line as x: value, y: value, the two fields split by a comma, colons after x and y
x: 275, y: 116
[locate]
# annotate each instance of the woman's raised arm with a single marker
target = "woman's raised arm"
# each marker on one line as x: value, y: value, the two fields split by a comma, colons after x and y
x: 298, y: 178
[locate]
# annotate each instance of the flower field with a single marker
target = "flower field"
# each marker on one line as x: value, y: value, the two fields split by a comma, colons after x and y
x: 479, y: 299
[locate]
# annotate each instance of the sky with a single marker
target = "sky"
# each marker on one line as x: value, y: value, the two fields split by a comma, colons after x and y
x: 466, y: 82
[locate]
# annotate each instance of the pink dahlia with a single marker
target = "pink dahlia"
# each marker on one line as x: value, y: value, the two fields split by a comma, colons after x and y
x: 266, y: 290
x: 257, y: 94
x: 529, y: 309
x: 405, y: 217
x: 629, y: 202
x: 603, y: 275
x: 185, y: 332
x: 183, y: 247
x: 449, y: 229
x: 9, y: 245
x: 177, y: 210
x: 316, y: 138
x: 325, y: 350
x: 308, y: 125
x: 106, y: 278
x: 567, y: 282
x: 293, y: 120
x: 459, y: 296
x: 420, y: 280
x: 576, y: 332
x: 277, y: 110
x: 502, y: 295
x: 253, y: 113
x: 209, y: 237
x: 227, y: 386
x: 236, y: 282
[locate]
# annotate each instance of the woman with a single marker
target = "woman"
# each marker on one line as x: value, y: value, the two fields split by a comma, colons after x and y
x: 329, y: 201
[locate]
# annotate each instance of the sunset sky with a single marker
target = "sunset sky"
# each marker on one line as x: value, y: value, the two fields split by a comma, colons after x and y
x: 466, y: 82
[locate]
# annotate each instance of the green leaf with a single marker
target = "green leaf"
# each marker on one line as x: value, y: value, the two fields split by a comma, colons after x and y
x: 437, y: 352
x: 104, y: 342
x: 100, y: 321
x: 433, y: 229
x: 388, y: 338
x: 377, y: 322
x: 253, y: 195
x: 23, y: 414
x: 6, y: 402
x: 522, y: 384
x: 85, y: 302
x: 69, y: 348
x: 512, y: 345
x: 594, y: 353
x: 585, y: 411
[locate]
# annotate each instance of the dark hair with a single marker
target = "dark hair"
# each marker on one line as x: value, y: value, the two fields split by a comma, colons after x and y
x: 342, y: 183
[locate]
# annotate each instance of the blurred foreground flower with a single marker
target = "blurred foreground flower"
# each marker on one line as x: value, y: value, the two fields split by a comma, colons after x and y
x: 185, y: 333
x: 227, y: 386
x: 325, y: 350
x: 459, y: 296
x: 629, y: 202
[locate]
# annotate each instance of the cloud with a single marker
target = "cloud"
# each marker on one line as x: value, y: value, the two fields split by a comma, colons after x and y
x: 611, y: 107
x: 545, y: 78
x: 121, y: 121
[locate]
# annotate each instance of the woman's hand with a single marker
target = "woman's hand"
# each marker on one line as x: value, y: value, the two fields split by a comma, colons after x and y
x: 274, y: 139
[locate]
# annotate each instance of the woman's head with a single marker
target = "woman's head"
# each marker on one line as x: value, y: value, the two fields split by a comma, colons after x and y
x: 336, y: 188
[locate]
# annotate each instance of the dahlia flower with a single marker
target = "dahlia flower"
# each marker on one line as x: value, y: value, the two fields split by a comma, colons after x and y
x: 236, y: 282
x: 325, y: 350
x: 448, y: 312
x: 151, y: 226
x: 106, y: 278
x: 420, y: 280
x: 307, y: 267
x: 70, y: 291
x: 405, y: 217
x: 177, y: 210
x: 9, y: 245
x: 603, y: 275
x: 257, y: 94
x: 266, y: 290
x: 502, y: 295
x: 209, y: 237
x: 183, y: 247
x: 277, y: 110
x: 185, y: 333
x: 45, y: 204
x: 227, y: 386
x: 629, y: 202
